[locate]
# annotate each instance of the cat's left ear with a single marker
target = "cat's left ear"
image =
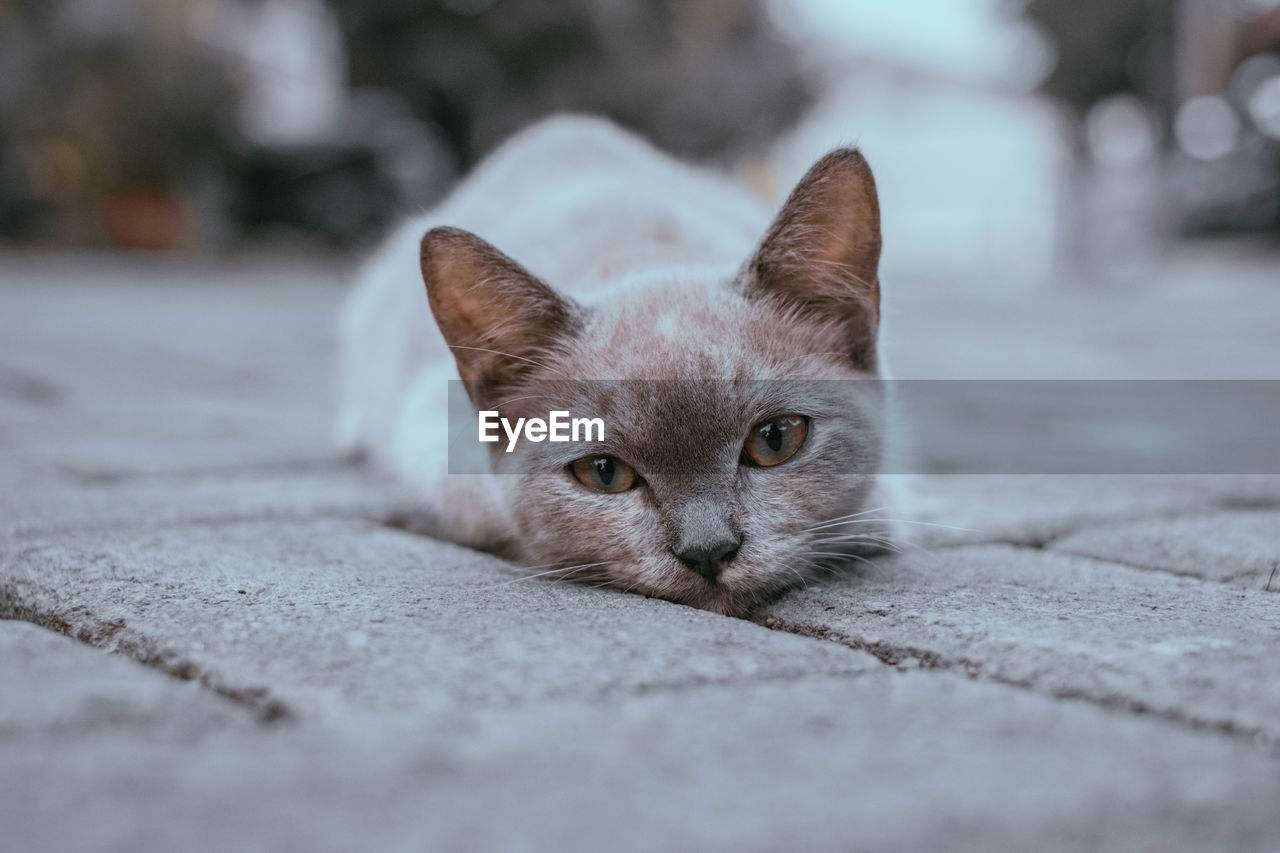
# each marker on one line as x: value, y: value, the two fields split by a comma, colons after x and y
x: 821, y: 256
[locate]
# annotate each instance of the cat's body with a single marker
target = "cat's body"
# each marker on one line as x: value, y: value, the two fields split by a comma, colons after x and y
x: 645, y: 262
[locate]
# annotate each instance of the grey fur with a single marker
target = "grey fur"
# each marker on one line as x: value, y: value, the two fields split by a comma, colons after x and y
x: 802, y: 310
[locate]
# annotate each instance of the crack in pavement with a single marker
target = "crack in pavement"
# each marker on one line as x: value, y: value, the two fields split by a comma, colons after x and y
x: 894, y: 655
x: 373, y: 515
x: 117, y: 637
x: 1225, y: 580
x: 1039, y: 541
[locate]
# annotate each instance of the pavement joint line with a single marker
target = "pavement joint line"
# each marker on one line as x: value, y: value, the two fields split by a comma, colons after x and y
x: 116, y: 637
x: 1244, y: 503
x: 1227, y: 580
x: 891, y: 655
x: 282, y: 466
x: 1046, y: 542
x: 700, y: 683
x: 38, y: 532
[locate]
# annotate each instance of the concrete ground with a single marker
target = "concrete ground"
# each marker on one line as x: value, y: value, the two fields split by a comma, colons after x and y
x: 213, y: 639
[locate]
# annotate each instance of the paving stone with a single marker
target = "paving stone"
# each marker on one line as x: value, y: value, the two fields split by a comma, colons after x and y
x: 1066, y: 626
x: 114, y: 345
x: 237, y: 316
x: 952, y: 332
x: 1235, y: 491
x: 1240, y: 547
x: 439, y: 701
x: 124, y: 456
x: 881, y: 761
x: 71, y: 500
x: 1033, y: 509
x: 54, y: 688
x: 332, y: 616
x: 140, y: 431
x: 117, y: 377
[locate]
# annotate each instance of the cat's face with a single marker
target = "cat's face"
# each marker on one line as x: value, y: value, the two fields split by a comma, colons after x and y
x: 739, y: 419
x: 714, y: 486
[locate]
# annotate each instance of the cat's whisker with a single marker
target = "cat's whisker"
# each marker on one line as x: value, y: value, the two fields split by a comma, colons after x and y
x: 530, y: 577
x: 878, y: 547
x: 631, y: 587
x: 804, y: 581
x: 877, y: 542
x: 822, y: 568
x: 832, y: 522
x: 929, y: 524
x: 894, y: 521
x: 896, y: 544
x: 813, y: 564
x: 536, y: 568
x: 855, y: 534
x: 853, y: 537
x: 609, y: 584
x: 860, y: 559
x: 554, y: 567
x: 578, y: 570
x: 563, y: 573
x: 859, y: 534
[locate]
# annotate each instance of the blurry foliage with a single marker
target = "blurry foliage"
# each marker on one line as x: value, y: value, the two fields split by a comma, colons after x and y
x: 1107, y: 46
x: 701, y: 79
x: 1110, y: 47
x: 98, y: 100
x: 120, y: 124
x: 340, y: 194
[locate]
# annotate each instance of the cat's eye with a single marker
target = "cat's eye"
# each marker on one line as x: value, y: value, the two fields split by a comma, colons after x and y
x: 604, y: 473
x: 776, y: 440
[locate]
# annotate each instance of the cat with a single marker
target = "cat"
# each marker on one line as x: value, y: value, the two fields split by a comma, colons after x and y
x: 733, y: 470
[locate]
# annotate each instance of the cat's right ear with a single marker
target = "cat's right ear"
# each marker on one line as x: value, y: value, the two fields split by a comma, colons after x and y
x: 822, y: 254
x: 500, y: 321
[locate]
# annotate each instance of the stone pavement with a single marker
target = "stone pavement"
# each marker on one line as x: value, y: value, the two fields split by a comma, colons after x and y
x: 213, y: 639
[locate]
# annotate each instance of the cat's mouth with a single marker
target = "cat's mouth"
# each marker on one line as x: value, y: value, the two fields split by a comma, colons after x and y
x: 735, y: 591
x: 738, y: 590
x: 745, y: 580
x: 738, y: 601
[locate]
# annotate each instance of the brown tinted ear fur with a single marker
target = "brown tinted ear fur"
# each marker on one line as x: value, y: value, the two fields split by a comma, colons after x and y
x: 821, y: 255
x: 499, y: 320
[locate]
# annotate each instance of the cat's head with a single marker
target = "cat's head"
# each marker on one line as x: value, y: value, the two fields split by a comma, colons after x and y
x: 729, y: 457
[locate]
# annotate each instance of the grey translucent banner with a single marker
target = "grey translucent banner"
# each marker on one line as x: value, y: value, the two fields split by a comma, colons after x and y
x: 909, y: 426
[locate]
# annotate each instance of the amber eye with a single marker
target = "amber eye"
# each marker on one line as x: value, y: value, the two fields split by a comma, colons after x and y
x: 604, y: 473
x: 776, y: 440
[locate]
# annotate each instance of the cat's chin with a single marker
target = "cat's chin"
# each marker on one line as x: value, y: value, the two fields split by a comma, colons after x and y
x: 739, y: 599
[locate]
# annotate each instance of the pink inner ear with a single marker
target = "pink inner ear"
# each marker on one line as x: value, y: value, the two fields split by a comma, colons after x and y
x: 832, y: 218
x: 499, y: 319
x: 822, y: 253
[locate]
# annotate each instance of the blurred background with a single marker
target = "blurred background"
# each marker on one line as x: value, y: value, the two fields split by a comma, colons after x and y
x: 1089, y: 143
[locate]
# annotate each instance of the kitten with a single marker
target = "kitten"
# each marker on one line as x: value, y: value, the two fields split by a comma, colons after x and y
x: 732, y: 470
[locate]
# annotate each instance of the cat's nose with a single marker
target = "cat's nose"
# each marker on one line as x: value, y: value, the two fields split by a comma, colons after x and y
x: 708, y: 559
